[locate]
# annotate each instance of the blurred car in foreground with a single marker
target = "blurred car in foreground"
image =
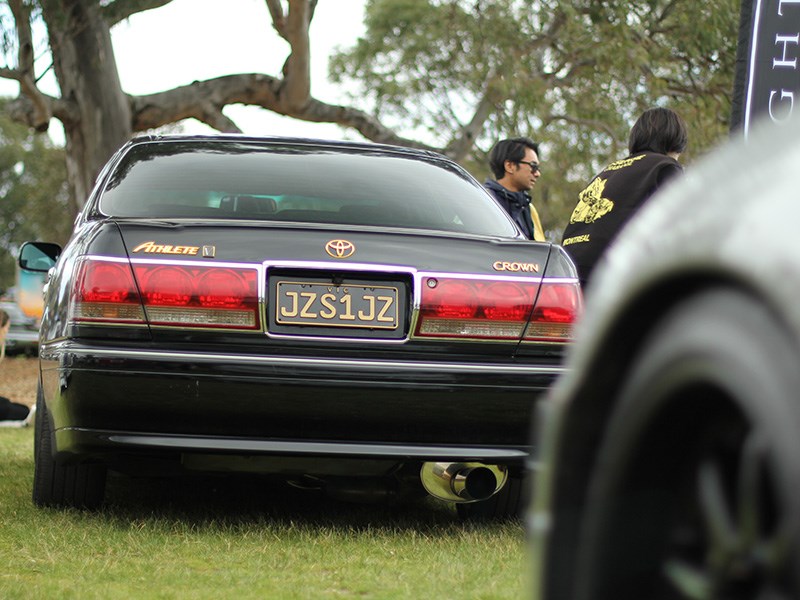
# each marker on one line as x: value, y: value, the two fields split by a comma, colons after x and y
x: 23, y: 334
x: 352, y: 317
x: 670, y: 451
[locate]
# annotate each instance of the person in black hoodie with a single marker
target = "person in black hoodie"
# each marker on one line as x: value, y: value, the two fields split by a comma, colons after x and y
x: 515, y: 165
x: 615, y: 194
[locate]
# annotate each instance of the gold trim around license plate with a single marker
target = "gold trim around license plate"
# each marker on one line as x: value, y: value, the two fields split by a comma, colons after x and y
x: 329, y: 305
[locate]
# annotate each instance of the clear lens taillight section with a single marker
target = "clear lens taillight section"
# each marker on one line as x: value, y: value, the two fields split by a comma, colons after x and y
x: 558, y: 307
x: 468, y: 308
x: 106, y: 292
x: 176, y: 295
x: 498, y: 310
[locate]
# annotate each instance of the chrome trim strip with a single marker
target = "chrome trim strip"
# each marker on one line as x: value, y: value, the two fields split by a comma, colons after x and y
x: 196, y: 263
x: 488, y: 276
x: 386, y: 364
x: 326, y: 448
x: 417, y: 276
x: 172, y: 261
x: 354, y: 267
x: 329, y: 265
x: 338, y: 340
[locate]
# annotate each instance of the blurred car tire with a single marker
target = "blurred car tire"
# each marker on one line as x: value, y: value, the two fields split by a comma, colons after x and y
x: 694, y: 492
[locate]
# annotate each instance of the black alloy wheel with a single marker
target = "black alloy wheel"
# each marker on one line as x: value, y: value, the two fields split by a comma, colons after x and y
x: 694, y: 491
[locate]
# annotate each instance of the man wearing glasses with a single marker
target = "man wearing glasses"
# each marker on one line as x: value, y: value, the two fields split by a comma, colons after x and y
x: 515, y: 166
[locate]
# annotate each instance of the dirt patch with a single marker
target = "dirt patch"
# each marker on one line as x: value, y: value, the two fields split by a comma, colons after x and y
x: 19, y: 377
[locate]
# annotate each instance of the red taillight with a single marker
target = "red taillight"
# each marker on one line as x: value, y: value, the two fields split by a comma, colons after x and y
x: 165, y: 286
x: 557, y: 308
x: 498, y: 309
x: 224, y: 288
x: 106, y: 291
x: 478, y: 309
x: 173, y: 295
x: 199, y: 296
x: 450, y: 299
x: 106, y: 282
x: 507, y: 301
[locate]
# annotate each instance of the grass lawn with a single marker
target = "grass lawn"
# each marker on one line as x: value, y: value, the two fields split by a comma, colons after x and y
x: 215, y: 538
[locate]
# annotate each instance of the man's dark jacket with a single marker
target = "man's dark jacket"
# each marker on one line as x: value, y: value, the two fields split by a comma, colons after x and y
x: 516, y: 204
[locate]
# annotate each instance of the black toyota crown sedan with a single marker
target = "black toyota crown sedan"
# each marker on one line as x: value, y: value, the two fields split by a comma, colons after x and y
x: 346, y: 316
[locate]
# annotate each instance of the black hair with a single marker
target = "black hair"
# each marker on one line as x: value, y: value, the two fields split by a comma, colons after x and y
x: 512, y: 149
x: 659, y: 130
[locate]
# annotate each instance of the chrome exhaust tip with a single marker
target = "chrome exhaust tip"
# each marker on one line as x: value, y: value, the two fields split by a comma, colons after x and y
x: 462, y: 482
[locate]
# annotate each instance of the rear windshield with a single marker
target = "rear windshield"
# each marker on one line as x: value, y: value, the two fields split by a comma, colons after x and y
x: 300, y: 183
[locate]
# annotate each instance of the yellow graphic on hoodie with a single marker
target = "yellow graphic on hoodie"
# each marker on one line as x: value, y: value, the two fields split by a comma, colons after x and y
x: 591, y: 204
x: 625, y: 162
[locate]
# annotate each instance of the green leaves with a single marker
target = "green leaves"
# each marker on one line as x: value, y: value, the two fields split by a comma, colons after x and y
x: 573, y: 75
x: 34, y: 201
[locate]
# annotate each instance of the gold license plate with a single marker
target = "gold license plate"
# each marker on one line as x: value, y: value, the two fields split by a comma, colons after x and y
x: 329, y: 305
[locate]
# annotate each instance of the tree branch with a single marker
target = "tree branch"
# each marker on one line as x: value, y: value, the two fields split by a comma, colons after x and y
x: 296, y: 90
x: 23, y: 110
x: 253, y: 89
x: 119, y: 10
x: 278, y: 18
x: 589, y: 123
x: 213, y: 116
x: 459, y: 148
x: 39, y: 114
x: 24, y: 36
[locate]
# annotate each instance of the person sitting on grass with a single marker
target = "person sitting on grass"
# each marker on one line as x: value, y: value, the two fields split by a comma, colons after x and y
x: 12, y: 414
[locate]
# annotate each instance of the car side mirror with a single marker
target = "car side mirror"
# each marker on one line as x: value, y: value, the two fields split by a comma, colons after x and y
x: 38, y: 257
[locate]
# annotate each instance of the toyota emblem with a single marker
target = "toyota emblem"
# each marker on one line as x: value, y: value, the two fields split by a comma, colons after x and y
x: 340, y: 248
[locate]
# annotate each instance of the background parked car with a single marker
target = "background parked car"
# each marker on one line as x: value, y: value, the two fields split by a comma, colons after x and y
x: 23, y: 335
x: 671, y: 449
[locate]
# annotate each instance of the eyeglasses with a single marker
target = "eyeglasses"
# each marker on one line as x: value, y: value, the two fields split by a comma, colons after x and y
x: 533, y: 165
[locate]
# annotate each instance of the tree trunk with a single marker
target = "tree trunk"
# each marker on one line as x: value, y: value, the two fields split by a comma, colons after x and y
x: 86, y: 70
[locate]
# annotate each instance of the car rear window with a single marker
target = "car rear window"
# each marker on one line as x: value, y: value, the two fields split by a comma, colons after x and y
x: 299, y: 183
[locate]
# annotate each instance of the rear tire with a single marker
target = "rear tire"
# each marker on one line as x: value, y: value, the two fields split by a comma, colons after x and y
x: 79, y: 485
x: 694, y: 495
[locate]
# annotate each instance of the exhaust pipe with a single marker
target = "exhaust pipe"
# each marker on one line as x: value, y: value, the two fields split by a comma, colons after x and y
x: 462, y: 482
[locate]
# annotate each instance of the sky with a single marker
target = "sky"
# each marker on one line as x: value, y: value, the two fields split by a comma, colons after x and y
x: 190, y: 40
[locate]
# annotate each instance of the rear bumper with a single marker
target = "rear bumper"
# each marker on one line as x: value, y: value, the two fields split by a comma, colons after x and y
x: 105, y: 401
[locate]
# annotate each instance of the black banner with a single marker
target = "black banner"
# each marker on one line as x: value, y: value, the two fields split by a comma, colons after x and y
x: 767, y: 82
